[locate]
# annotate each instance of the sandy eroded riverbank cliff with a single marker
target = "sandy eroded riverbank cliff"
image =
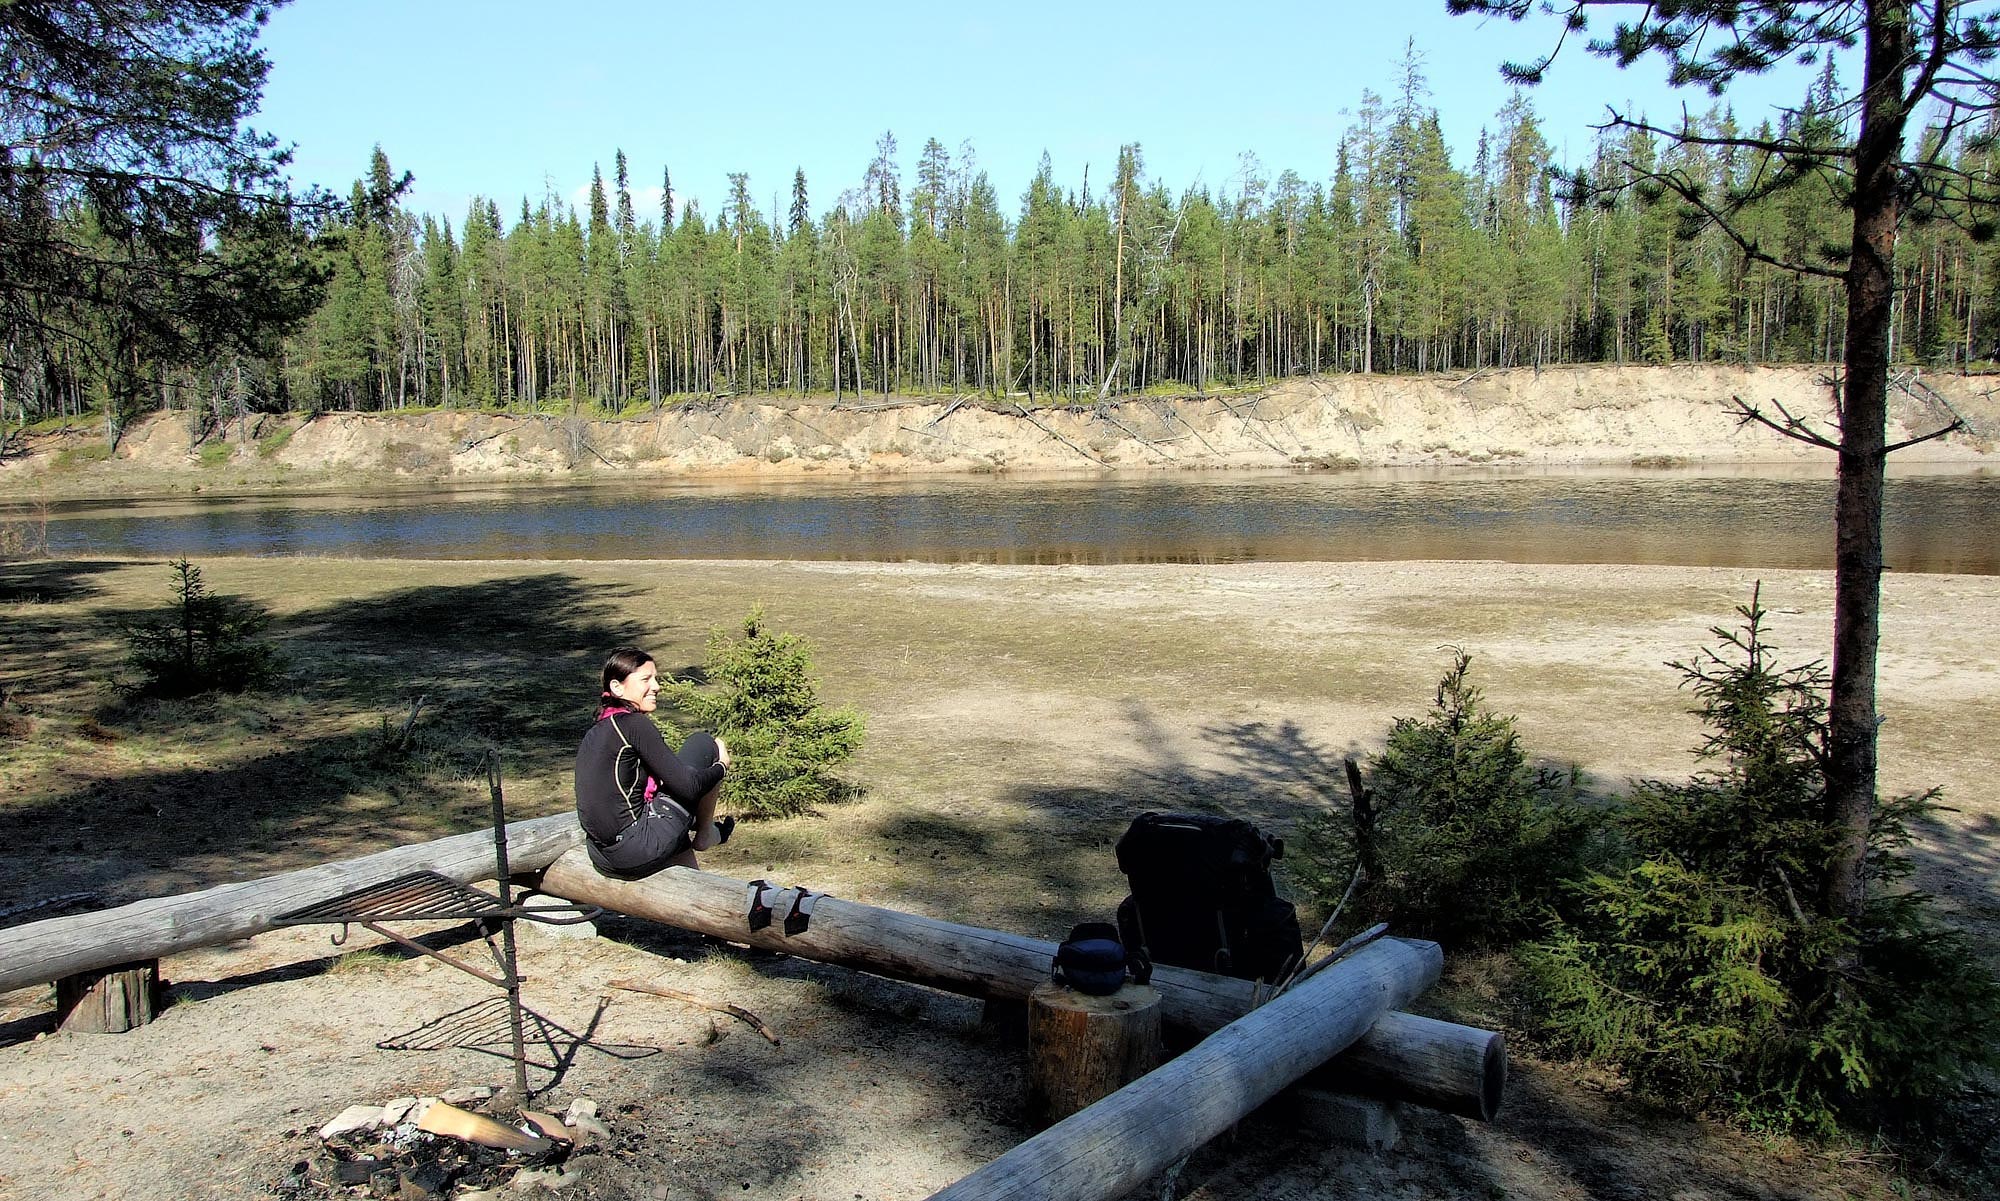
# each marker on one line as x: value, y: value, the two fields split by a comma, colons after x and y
x: 1594, y: 415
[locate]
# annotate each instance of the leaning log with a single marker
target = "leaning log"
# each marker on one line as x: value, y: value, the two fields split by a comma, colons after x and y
x: 1458, y: 1069
x: 150, y: 929
x: 1111, y: 1148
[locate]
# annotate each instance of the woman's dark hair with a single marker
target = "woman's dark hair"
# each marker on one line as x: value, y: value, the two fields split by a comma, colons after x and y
x: 619, y: 664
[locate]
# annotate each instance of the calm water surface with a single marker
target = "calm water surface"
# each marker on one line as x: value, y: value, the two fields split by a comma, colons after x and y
x: 1934, y: 522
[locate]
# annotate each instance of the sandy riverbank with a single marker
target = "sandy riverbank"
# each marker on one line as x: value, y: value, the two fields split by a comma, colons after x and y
x: 1593, y: 415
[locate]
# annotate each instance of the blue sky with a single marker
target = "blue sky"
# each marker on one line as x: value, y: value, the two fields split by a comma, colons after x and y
x: 506, y: 99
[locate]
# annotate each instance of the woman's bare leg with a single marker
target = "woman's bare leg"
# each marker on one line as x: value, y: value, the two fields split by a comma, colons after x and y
x: 700, y: 751
x: 706, y: 835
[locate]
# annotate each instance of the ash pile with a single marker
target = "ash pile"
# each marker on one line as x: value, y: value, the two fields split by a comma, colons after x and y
x: 418, y: 1148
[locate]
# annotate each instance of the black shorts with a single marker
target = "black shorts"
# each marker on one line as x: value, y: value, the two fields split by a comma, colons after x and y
x: 648, y: 844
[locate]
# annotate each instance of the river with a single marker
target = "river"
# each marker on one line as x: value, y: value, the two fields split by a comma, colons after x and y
x: 1934, y: 522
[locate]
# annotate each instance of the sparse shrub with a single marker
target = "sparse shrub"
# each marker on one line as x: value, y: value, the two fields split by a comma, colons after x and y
x: 1705, y: 965
x: 783, y: 743
x: 1471, y: 842
x: 204, y: 643
x: 1327, y: 462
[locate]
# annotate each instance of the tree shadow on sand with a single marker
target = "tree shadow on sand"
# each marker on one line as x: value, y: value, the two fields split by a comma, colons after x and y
x: 42, y: 650
x: 51, y: 581
x: 506, y: 664
x: 1049, y: 860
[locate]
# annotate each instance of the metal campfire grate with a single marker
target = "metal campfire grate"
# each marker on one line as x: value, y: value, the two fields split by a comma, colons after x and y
x: 432, y: 896
x: 415, y: 897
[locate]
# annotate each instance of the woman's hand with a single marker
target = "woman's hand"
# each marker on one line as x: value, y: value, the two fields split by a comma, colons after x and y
x: 722, y: 752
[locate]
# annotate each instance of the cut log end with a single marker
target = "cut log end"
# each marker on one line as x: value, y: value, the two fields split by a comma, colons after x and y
x: 1456, y: 1069
x: 1082, y: 1048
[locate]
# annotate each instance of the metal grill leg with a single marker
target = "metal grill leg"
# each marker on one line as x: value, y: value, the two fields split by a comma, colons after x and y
x: 508, y: 969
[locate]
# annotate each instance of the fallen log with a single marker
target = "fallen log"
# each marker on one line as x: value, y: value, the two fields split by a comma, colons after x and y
x: 1112, y: 1147
x: 1454, y: 1068
x: 1457, y: 1069
x: 151, y: 929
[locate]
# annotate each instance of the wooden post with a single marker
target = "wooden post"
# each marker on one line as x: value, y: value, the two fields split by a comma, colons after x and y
x: 1114, y: 1146
x: 109, y: 1000
x: 1083, y: 1048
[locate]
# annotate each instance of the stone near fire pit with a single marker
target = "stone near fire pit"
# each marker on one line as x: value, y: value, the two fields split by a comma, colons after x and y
x: 354, y: 1117
x: 395, y: 1111
x: 548, y: 1178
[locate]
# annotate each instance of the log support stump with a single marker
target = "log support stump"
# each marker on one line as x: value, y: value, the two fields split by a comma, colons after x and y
x: 1364, y: 1123
x: 1083, y: 1048
x: 109, y: 1000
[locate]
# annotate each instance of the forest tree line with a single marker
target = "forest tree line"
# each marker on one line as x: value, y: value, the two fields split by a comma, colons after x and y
x: 1403, y: 261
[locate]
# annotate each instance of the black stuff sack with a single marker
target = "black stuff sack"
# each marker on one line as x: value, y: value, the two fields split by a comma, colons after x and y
x: 1092, y: 960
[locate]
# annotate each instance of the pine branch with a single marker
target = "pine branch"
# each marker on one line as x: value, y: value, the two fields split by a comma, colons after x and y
x: 1792, y: 427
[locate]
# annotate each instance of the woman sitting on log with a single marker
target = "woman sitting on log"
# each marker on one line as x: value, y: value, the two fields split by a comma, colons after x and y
x: 642, y: 805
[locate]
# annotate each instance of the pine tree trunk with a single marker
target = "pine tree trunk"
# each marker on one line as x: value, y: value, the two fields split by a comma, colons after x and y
x: 1857, y: 602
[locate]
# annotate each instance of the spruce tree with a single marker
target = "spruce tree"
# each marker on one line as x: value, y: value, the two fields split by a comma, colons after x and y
x: 762, y: 699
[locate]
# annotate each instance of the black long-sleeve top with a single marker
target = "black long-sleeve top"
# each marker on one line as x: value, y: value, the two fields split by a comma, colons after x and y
x: 611, y: 774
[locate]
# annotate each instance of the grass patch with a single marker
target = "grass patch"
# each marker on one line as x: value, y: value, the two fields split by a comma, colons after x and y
x: 363, y: 962
x: 275, y: 441
x: 70, y: 458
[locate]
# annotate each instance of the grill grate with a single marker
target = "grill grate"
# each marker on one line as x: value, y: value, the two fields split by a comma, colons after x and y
x: 418, y: 896
x: 432, y: 896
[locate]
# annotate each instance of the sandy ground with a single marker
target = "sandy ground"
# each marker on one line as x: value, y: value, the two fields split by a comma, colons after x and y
x: 1019, y: 717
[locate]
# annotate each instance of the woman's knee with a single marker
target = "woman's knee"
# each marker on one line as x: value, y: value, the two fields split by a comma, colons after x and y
x: 700, y: 750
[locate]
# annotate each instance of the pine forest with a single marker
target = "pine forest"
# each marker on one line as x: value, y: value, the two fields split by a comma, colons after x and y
x: 1398, y: 260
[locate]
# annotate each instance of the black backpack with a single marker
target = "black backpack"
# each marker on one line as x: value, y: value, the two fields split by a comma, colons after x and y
x: 1202, y: 896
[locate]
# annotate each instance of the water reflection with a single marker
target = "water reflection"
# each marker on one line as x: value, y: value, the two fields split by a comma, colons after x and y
x: 1932, y: 522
